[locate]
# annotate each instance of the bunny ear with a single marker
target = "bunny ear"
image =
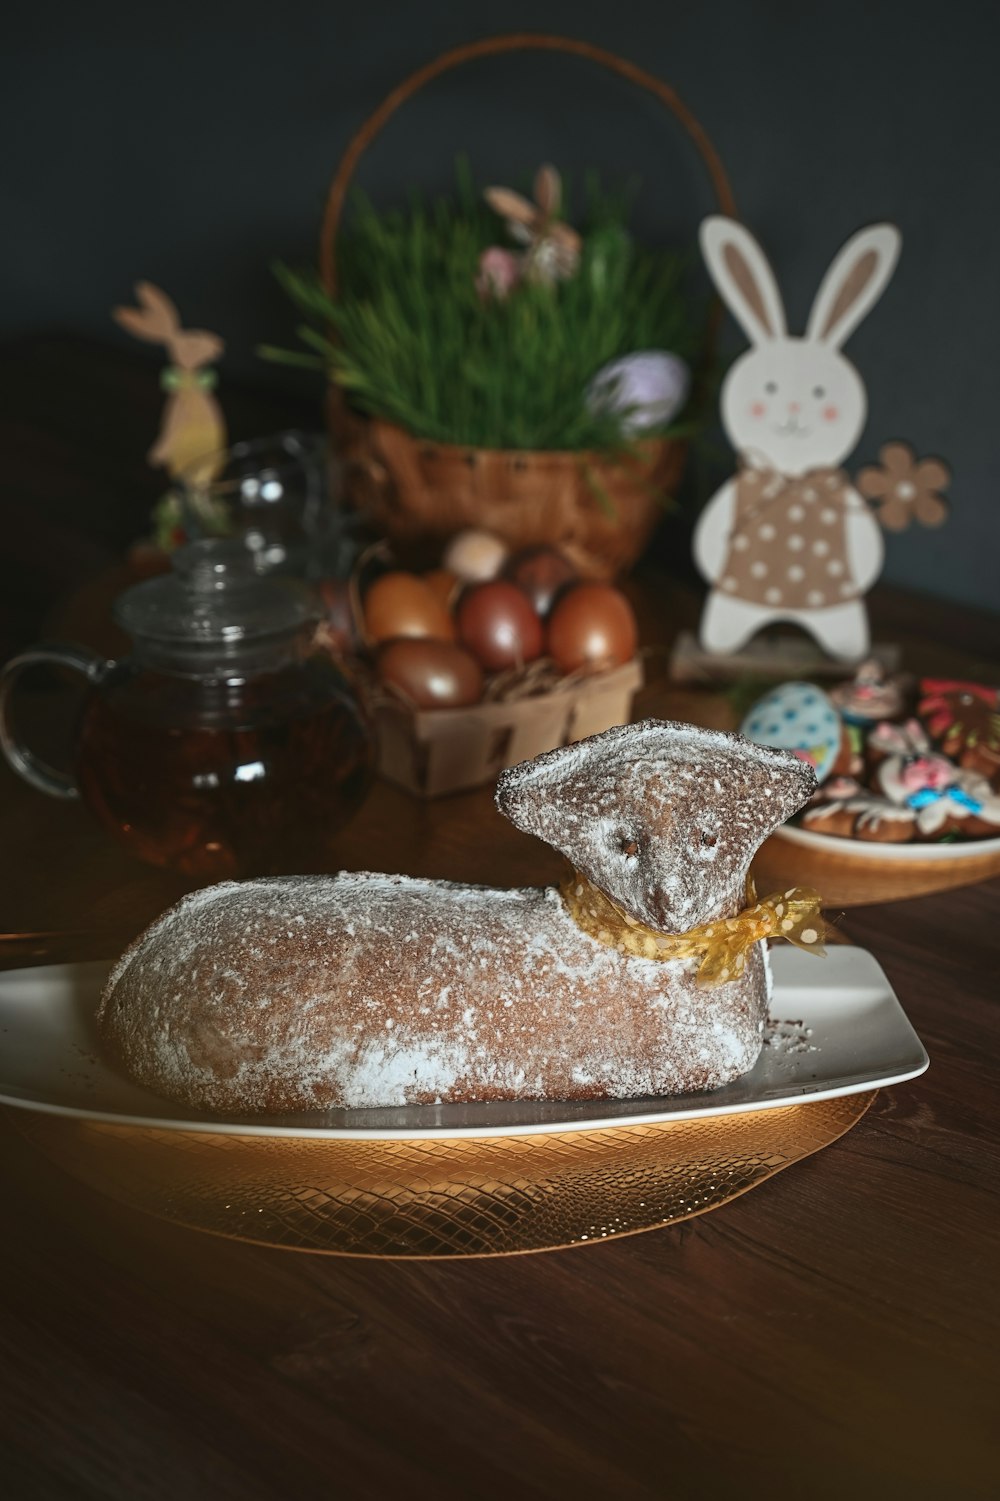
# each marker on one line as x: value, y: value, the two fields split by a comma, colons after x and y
x: 890, y: 738
x: 564, y: 235
x: 159, y: 305
x: 740, y: 270
x: 854, y: 283
x: 136, y: 322
x: 548, y: 191
x: 917, y: 737
x: 156, y: 319
x: 510, y: 205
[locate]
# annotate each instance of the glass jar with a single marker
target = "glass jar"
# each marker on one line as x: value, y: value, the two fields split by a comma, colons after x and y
x: 225, y: 745
x: 281, y: 495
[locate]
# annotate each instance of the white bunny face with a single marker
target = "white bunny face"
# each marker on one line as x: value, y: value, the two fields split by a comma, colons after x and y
x: 793, y: 405
x: 796, y: 403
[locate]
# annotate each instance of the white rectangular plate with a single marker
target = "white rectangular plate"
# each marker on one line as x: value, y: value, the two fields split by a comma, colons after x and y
x: 840, y: 1030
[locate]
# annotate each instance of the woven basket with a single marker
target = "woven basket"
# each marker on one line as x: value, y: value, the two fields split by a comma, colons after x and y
x: 415, y: 489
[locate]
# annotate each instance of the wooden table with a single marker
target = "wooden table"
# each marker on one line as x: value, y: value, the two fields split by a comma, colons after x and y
x: 832, y: 1333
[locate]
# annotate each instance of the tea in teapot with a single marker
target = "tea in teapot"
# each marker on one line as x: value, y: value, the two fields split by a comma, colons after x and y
x: 225, y: 745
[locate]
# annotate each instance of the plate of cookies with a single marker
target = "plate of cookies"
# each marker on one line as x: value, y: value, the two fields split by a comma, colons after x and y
x: 908, y: 768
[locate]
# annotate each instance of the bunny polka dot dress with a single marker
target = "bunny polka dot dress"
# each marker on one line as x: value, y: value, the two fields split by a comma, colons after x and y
x: 788, y: 544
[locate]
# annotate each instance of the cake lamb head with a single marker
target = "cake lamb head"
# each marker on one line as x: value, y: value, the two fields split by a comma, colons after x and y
x: 663, y: 818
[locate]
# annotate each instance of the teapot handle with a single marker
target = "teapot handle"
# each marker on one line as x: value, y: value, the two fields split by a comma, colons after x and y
x: 24, y: 761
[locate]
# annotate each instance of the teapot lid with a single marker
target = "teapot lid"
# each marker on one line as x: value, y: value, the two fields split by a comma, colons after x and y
x: 214, y: 596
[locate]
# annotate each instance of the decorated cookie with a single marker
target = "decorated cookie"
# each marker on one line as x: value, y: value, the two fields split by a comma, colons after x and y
x: 862, y: 815
x: 963, y: 719
x: 967, y: 806
x: 945, y: 798
x: 800, y: 718
x: 872, y: 694
x: 906, y: 754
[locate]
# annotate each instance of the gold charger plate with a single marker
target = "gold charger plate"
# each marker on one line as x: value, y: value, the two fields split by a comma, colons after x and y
x: 469, y: 1196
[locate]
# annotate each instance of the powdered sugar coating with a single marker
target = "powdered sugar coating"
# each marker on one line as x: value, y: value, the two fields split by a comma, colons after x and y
x: 369, y: 990
x: 357, y: 990
x: 665, y: 818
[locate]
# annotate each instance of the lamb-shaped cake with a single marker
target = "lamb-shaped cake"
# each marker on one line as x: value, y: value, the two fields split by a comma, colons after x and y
x: 308, y: 993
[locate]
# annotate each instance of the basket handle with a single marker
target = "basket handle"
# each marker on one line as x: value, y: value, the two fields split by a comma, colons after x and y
x: 487, y: 47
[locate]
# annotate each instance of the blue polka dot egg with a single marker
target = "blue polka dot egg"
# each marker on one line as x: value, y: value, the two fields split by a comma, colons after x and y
x: 797, y: 717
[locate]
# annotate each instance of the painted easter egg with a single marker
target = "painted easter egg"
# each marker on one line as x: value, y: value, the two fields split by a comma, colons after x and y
x: 475, y: 556
x: 797, y: 717
x: 647, y: 389
x: 401, y: 604
x: 543, y: 573
x: 498, y: 624
x: 592, y: 628
x: 430, y: 674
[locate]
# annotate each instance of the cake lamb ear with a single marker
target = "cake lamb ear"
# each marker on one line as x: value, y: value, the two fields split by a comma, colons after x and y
x: 664, y: 818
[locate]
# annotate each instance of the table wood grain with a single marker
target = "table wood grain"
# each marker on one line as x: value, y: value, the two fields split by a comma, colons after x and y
x: 833, y: 1333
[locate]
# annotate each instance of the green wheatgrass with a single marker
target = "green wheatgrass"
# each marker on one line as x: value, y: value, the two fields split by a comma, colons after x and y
x: 409, y: 339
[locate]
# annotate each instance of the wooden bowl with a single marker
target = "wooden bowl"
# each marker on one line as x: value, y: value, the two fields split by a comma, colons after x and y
x: 852, y: 873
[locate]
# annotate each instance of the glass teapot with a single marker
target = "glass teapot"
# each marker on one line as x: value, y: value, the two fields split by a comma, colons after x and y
x: 224, y: 745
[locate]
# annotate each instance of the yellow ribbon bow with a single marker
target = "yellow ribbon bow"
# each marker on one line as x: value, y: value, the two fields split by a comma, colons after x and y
x: 722, y: 945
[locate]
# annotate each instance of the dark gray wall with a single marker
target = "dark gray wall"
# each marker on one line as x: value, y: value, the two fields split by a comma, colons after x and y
x: 191, y: 143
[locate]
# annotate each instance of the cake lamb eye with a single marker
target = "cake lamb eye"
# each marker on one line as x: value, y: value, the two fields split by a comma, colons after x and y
x: 819, y: 392
x: 771, y: 388
x: 630, y: 848
x: 709, y: 839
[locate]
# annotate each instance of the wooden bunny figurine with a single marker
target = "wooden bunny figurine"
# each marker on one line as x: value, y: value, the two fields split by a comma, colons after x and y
x: 789, y: 537
x: 192, y: 430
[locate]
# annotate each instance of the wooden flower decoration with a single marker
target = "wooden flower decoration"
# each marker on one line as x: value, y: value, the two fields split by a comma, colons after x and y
x: 552, y: 250
x: 905, y: 488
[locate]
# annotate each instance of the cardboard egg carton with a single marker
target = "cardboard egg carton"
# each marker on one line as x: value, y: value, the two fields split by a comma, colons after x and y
x: 432, y: 752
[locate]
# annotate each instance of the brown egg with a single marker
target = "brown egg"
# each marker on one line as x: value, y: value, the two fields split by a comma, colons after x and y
x: 542, y: 572
x: 444, y: 585
x: 401, y: 604
x: 498, y: 624
x: 475, y: 555
x: 430, y: 674
x: 593, y: 627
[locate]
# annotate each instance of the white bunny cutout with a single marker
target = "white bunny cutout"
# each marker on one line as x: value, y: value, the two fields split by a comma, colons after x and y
x: 789, y: 538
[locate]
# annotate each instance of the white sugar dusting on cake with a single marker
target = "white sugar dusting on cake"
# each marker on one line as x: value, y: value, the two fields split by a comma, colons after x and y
x: 786, y: 1037
x: 364, y: 989
x: 664, y: 818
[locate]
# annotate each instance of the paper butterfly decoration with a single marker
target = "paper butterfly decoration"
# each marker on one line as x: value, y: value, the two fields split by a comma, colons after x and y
x: 790, y: 537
